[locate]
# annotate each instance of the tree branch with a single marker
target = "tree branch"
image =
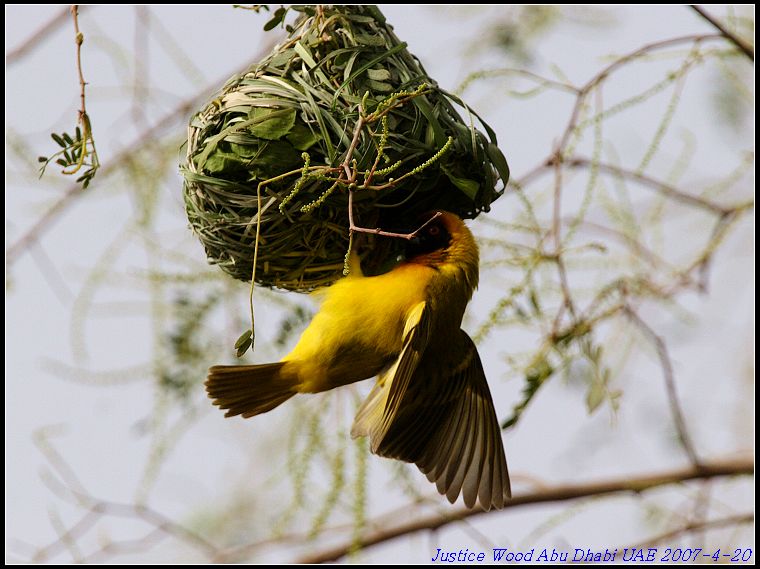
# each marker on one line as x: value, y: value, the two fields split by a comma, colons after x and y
x: 645, y: 181
x: 648, y: 182
x: 730, y: 36
x: 97, y: 509
x: 614, y: 66
x: 548, y: 495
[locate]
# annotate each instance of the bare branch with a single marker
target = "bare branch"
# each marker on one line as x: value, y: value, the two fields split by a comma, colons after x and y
x: 733, y: 38
x: 100, y: 508
x: 619, y: 62
x: 649, y: 182
x: 670, y: 384
x: 548, y: 495
x: 645, y: 181
x: 68, y: 536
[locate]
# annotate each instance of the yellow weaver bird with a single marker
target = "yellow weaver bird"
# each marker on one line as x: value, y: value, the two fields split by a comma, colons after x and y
x: 431, y: 404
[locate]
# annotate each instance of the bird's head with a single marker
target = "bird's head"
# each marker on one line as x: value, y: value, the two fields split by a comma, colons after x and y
x: 442, y: 241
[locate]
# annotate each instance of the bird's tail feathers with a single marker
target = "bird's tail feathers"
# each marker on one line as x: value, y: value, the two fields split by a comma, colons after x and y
x: 370, y: 414
x: 249, y: 390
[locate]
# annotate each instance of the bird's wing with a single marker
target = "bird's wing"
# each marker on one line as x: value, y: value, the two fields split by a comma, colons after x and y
x: 376, y: 414
x: 466, y: 453
x: 445, y: 423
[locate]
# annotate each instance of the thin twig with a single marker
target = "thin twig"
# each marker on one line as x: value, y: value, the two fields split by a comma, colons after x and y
x: 79, y: 40
x: 30, y: 44
x: 645, y: 181
x: 255, y: 263
x: 70, y: 480
x: 669, y: 536
x: 65, y: 537
x: 100, y: 508
x: 350, y: 177
x: 670, y: 385
x: 605, y: 73
x: 651, y: 183
x: 542, y: 81
x: 47, y: 220
x: 543, y: 496
x: 730, y: 36
x: 72, y: 534
x: 138, y: 545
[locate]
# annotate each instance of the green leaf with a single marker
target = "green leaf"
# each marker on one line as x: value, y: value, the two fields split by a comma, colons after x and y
x: 42, y: 159
x: 243, y: 344
x: 379, y: 86
x: 375, y: 12
x: 385, y: 55
x: 361, y: 19
x: 423, y: 104
x: 276, y: 156
x: 264, y: 160
x: 371, y: 40
x: 595, y: 395
x: 58, y: 140
x: 379, y: 74
x: 244, y: 146
x: 499, y: 161
x: 302, y: 138
x: 305, y: 54
x: 279, y: 15
x: 272, y: 124
x: 245, y: 336
x: 225, y: 162
x: 469, y: 187
x: 67, y: 138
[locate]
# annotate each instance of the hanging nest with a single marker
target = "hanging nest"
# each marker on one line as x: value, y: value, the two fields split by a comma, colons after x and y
x: 341, y: 106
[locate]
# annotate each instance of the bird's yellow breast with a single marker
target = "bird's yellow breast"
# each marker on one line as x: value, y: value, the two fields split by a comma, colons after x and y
x: 359, y: 313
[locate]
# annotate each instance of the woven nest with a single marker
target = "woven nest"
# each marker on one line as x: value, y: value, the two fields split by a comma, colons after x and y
x: 341, y: 106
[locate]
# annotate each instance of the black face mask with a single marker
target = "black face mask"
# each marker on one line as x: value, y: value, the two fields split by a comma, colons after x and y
x: 432, y: 237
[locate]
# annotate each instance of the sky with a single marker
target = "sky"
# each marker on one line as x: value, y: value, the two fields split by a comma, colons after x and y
x: 59, y: 325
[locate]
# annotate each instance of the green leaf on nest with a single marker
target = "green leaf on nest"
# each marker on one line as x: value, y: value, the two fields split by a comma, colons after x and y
x: 469, y: 187
x: 302, y: 138
x: 499, y: 161
x: 272, y: 124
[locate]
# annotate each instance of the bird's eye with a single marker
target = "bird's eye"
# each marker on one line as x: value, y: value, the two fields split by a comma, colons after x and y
x: 434, y: 230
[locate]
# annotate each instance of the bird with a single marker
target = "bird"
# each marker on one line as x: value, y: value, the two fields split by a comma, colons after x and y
x: 431, y: 404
